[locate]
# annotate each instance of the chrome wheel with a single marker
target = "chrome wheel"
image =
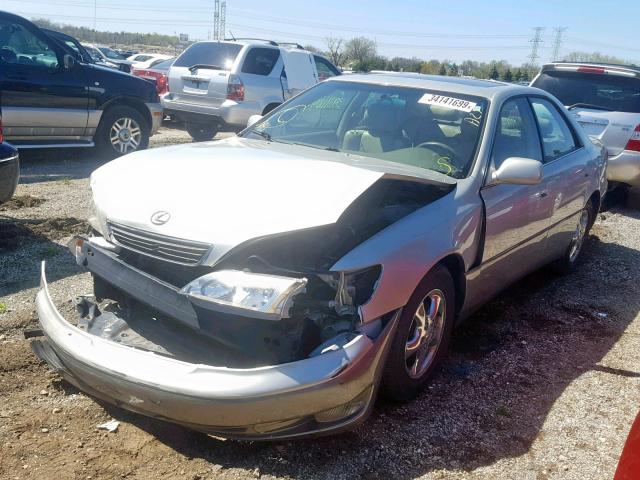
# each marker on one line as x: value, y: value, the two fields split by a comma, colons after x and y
x: 125, y: 135
x: 425, y: 334
x: 578, y: 236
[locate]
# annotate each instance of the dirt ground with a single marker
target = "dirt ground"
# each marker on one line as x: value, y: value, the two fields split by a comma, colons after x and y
x: 542, y: 383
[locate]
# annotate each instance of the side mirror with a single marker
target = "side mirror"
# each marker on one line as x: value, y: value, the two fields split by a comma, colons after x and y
x: 69, y: 61
x: 518, y: 171
x: 253, y: 119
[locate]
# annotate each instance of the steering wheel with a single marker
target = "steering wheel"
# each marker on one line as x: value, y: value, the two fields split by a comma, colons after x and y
x: 450, y: 152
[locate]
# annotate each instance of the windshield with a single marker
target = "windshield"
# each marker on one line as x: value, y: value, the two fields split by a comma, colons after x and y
x: 434, y: 130
x: 609, y: 92
x: 111, y: 53
x: 221, y: 55
x: 95, y: 54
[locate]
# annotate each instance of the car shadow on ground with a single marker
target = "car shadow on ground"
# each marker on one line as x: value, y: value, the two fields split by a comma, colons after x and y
x: 58, y: 164
x: 507, y: 367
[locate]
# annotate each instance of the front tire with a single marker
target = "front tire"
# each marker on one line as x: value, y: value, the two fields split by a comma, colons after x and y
x: 201, y: 132
x: 422, y: 337
x: 570, y: 259
x: 122, y: 130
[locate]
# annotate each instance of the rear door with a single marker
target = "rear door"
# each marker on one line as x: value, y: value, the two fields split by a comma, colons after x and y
x: 565, y: 170
x: 200, y: 75
x: 41, y: 99
x: 604, y: 101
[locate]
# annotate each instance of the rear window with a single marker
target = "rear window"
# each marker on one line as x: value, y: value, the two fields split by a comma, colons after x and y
x: 216, y: 54
x: 163, y: 64
x: 611, y: 92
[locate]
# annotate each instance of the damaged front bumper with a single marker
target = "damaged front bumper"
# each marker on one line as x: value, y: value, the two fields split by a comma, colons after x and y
x: 321, y: 394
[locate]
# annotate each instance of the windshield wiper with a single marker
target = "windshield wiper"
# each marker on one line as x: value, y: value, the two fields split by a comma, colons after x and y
x: 205, y: 66
x: 263, y: 134
x: 588, y: 105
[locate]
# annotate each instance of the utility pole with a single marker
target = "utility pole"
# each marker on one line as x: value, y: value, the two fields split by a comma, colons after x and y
x: 223, y: 19
x: 536, y: 41
x: 558, y: 32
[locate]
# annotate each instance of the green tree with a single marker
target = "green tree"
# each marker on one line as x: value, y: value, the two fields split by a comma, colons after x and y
x: 443, y: 69
x: 494, y: 74
x: 518, y: 75
x: 507, y: 76
x: 359, y: 51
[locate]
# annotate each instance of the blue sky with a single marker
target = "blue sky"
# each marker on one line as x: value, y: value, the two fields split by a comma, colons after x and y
x: 466, y: 29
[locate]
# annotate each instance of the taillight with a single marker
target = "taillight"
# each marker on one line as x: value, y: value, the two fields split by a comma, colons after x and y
x: 634, y: 142
x: 235, y: 89
x: 161, y: 84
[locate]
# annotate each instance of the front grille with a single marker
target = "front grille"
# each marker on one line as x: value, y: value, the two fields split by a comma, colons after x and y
x: 171, y: 249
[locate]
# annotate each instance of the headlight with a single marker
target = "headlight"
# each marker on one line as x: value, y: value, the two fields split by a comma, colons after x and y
x: 251, y: 294
x: 96, y: 219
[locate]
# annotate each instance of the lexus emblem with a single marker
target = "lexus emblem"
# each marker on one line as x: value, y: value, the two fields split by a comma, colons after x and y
x: 160, y: 218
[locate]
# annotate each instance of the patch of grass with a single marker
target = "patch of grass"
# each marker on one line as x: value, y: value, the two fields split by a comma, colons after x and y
x: 3, y: 308
x: 503, y: 411
x: 66, y: 181
x: 48, y: 252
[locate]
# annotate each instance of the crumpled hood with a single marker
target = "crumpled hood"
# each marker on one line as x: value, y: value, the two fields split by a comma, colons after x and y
x: 227, y: 192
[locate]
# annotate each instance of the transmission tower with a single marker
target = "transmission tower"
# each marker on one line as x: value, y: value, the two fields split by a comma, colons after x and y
x: 223, y: 19
x: 558, y: 32
x: 536, y: 41
x: 216, y: 19
x: 219, y: 19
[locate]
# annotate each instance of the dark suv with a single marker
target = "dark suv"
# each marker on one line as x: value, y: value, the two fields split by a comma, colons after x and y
x: 52, y: 97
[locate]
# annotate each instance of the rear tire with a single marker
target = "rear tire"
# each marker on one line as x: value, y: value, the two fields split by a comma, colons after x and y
x: 568, y: 262
x: 422, y: 337
x: 201, y: 132
x: 122, y: 130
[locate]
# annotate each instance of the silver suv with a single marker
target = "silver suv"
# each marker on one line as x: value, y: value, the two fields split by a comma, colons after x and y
x: 605, y: 100
x: 217, y: 86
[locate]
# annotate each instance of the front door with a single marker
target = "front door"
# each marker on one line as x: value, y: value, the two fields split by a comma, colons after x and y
x: 41, y: 99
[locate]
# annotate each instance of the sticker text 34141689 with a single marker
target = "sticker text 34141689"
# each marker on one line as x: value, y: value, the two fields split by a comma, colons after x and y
x: 447, y: 102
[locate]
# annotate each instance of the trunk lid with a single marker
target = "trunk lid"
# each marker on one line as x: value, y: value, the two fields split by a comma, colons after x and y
x: 613, y: 129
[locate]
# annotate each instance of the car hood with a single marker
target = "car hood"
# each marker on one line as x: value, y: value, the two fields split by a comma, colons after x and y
x: 227, y: 192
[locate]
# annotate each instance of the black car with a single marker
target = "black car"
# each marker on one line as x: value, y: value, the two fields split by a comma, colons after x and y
x: 9, y: 169
x: 53, y: 97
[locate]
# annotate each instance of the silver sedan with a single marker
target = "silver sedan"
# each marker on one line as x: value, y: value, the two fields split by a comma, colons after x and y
x: 271, y: 284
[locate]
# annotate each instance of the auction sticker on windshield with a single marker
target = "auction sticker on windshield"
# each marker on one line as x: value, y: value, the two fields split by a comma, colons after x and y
x: 447, y: 102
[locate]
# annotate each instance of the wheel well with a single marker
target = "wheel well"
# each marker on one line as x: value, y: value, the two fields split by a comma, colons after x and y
x: 136, y: 105
x: 595, y: 200
x: 270, y: 107
x: 455, y: 265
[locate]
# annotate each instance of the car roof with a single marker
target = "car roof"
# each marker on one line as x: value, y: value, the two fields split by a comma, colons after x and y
x: 617, y: 66
x: 469, y: 86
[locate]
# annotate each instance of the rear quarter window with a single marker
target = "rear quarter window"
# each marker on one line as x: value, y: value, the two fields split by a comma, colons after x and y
x: 260, y: 61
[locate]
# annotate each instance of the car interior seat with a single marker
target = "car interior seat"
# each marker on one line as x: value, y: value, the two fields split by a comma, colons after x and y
x: 382, y: 131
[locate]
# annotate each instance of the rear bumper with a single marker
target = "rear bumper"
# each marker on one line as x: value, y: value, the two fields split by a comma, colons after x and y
x: 624, y: 168
x: 306, y: 397
x: 155, y: 109
x: 230, y: 114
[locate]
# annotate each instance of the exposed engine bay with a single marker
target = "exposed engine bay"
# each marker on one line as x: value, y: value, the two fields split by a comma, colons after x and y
x: 322, y: 315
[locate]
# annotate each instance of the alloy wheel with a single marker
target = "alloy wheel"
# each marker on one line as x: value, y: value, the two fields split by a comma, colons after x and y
x: 125, y: 135
x: 425, y: 334
x: 578, y: 236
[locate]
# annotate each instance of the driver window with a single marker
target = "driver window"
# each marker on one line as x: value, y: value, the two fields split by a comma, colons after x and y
x: 19, y: 46
x: 516, y: 134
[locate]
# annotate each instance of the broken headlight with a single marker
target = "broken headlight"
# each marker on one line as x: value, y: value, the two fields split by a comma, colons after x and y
x: 259, y: 295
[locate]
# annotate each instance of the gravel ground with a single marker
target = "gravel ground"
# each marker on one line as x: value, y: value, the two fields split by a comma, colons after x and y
x: 542, y: 383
